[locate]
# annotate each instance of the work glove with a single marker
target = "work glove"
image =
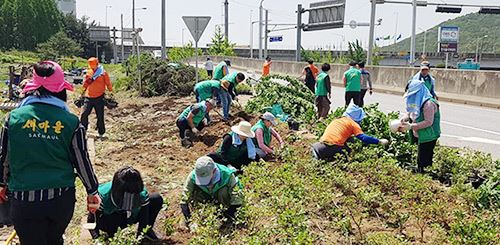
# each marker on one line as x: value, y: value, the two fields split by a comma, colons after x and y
x: 405, y: 126
x: 3, y: 194
x: 205, y: 121
x: 236, y: 98
x: 195, y: 130
x: 93, y: 203
x: 383, y: 142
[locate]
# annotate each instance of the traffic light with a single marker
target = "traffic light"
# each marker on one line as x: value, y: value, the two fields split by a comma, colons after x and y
x: 489, y: 11
x: 453, y: 10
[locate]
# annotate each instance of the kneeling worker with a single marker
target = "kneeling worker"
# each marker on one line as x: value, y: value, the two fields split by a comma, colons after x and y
x: 339, y: 131
x: 126, y: 201
x: 211, y: 182
x: 237, y: 148
x: 264, y: 133
x: 193, y: 119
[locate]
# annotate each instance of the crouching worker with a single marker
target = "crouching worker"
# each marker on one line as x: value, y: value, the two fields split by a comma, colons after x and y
x: 192, y: 120
x: 339, y: 131
x: 126, y: 201
x: 209, y: 89
x: 237, y: 147
x: 211, y: 182
x: 264, y: 133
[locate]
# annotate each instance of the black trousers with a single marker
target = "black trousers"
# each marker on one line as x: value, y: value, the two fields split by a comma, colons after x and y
x: 425, y: 154
x: 98, y: 105
x: 362, y: 97
x: 43, y: 223
x: 183, y: 125
x: 352, y: 95
x: 210, y: 73
x: 328, y: 153
x: 238, y: 163
x: 147, y: 216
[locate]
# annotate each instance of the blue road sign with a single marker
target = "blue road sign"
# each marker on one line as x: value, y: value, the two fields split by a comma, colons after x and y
x: 276, y: 39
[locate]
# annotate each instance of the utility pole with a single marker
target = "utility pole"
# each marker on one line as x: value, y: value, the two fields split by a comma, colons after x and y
x: 266, y: 33
x: 299, y: 32
x: 251, y: 36
x: 425, y: 40
x: 133, y: 25
x: 163, y: 33
x: 123, y: 48
x: 260, y: 29
x: 413, y: 41
x: 372, y: 32
x: 226, y: 19
x: 115, y: 48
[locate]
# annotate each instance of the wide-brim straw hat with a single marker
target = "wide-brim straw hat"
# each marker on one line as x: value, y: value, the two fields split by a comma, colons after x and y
x: 244, y: 128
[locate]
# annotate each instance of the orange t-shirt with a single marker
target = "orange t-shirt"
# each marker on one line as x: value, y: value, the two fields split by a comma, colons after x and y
x: 97, y: 87
x: 340, y: 130
x: 314, y: 70
x: 266, y: 68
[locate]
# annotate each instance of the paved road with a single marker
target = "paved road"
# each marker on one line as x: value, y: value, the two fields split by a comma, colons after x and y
x: 461, y: 125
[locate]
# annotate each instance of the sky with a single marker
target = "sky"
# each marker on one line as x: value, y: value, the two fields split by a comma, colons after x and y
x: 396, y: 19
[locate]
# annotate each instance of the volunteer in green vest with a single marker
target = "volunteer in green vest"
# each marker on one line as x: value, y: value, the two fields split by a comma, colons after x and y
x: 192, y: 120
x: 221, y: 70
x: 226, y: 96
x: 323, y: 92
x: 425, y: 76
x: 126, y: 201
x: 352, y: 83
x: 43, y: 149
x: 237, y: 148
x: 211, y: 182
x: 263, y: 134
x: 209, y: 89
x: 424, y: 112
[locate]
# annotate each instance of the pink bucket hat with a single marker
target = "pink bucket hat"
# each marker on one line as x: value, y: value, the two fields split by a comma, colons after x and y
x: 54, y: 83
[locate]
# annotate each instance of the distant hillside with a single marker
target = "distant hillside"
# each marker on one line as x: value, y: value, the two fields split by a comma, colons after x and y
x: 472, y: 27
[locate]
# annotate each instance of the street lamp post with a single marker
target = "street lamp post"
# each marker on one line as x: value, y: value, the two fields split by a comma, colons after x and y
x: 479, y: 40
x: 260, y: 29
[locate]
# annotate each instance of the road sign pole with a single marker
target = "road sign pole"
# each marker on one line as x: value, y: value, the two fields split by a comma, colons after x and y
x: 372, y: 33
x: 196, y: 51
x: 299, y: 32
x: 266, y: 34
x: 446, y: 62
x: 413, y: 41
x: 196, y: 25
x: 163, y: 31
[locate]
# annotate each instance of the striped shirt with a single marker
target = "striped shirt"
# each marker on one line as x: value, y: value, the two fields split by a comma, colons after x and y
x: 82, y: 165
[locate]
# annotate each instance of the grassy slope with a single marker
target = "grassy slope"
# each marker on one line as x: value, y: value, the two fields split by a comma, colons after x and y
x: 472, y: 26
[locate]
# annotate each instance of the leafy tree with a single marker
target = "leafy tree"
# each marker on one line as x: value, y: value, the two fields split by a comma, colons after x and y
x: 356, y: 52
x: 221, y: 45
x: 79, y: 30
x: 8, y: 34
x: 181, y: 54
x: 59, y: 46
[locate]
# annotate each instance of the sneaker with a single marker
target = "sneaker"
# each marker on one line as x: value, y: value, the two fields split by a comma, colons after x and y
x: 186, y: 143
x: 151, y: 236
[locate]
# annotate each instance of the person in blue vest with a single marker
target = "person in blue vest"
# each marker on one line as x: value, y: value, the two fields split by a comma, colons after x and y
x: 126, y: 201
x: 425, y: 76
x: 226, y: 96
x: 192, y: 120
x: 423, y: 111
x: 43, y: 149
x: 211, y: 182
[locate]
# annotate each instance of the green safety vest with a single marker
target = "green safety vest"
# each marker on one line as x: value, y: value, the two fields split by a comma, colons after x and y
x: 219, y: 70
x: 428, y: 83
x: 225, y: 178
x: 266, y: 131
x: 204, y: 88
x: 434, y: 131
x: 198, y: 117
x: 320, y: 85
x: 353, y: 80
x: 234, y: 152
x: 231, y: 78
x: 39, y: 148
x: 108, y: 207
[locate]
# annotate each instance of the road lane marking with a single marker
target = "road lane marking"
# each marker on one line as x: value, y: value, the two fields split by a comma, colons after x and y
x: 473, y: 128
x: 473, y: 139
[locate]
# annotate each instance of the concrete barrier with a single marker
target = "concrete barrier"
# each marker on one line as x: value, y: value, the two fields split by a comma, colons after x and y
x: 451, y: 81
